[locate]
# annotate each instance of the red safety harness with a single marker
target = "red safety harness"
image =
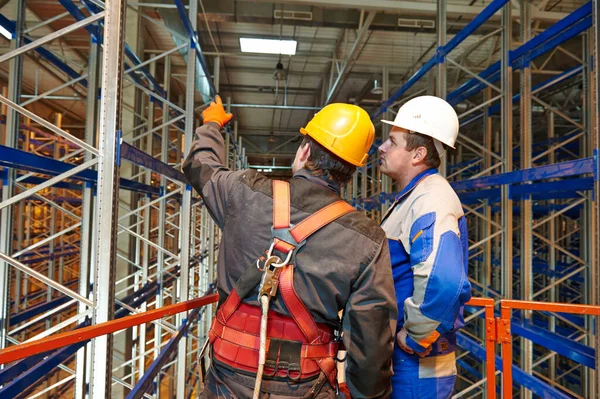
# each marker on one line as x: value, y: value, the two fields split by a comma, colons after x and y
x: 235, y: 330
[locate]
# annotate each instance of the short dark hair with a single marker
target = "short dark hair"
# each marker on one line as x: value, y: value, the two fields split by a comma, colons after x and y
x: 415, y: 140
x: 322, y: 162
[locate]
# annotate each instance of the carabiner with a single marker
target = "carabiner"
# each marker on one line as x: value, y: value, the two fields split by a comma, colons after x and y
x: 285, y: 262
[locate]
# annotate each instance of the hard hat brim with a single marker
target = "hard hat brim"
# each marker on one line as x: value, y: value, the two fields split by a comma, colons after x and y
x: 393, y: 123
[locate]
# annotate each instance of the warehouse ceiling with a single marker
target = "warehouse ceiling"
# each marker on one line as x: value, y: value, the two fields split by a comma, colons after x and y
x: 358, y: 37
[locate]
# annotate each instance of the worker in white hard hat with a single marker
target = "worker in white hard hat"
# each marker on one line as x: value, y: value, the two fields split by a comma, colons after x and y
x: 427, y: 236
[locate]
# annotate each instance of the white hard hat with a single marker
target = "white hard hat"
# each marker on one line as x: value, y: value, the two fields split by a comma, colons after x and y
x: 431, y: 116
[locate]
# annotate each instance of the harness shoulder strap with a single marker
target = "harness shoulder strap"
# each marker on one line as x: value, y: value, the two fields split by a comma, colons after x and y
x: 307, y: 227
x: 299, y: 233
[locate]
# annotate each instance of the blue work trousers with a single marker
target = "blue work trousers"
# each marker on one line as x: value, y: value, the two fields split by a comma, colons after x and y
x: 432, y: 377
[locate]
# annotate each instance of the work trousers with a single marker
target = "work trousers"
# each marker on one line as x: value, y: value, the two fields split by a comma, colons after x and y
x: 222, y: 383
x: 431, y: 377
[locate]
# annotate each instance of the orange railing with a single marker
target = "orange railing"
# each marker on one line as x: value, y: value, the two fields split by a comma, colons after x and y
x: 22, y: 351
x: 497, y: 332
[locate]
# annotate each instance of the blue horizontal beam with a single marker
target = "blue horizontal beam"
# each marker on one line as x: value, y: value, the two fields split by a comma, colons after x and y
x: 47, y: 54
x: 472, y: 86
x: 491, y: 194
x: 563, y: 169
x: 22, y: 160
x: 95, y: 34
x: 571, y: 349
x: 48, y: 257
x: 57, y: 62
x: 62, y: 184
x: 23, y: 382
x: 145, y: 384
x: 570, y: 26
x: 553, y: 31
x: 484, y: 185
x: 534, y: 384
x: 36, y: 310
x: 525, y: 191
x: 33, y: 297
x: 440, y: 53
x: 494, y: 109
x: 466, y: 366
x: 141, y: 158
x: 195, y: 44
x: 26, y: 372
x: 78, y: 15
x: 472, y: 26
x: 406, y: 86
x: 569, y: 33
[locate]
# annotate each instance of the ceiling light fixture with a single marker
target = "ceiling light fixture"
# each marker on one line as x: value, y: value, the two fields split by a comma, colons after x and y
x: 279, y: 73
x: 376, y: 87
x: 268, y: 46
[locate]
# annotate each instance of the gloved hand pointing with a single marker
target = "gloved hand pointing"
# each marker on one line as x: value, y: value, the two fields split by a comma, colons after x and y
x: 216, y: 113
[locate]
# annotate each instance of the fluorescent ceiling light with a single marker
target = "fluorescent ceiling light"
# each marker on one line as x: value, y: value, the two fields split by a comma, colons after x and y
x: 268, y: 46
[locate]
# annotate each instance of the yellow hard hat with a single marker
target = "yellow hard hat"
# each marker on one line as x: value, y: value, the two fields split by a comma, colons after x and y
x: 344, y: 129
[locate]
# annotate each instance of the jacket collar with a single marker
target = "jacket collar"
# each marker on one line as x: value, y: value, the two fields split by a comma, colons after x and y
x: 323, y: 181
x: 415, y: 181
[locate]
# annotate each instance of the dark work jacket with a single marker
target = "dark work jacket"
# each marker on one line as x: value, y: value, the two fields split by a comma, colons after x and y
x: 343, y: 266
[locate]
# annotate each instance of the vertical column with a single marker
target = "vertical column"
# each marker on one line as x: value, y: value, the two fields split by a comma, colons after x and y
x: 486, y: 228
x: 526, y: 210
x: 386, y: 182
x: 441, y: 66
x: 149, y: 143
x: 162, y: 212
x: 87, y: 217
x: 595, y: 281
x: 186, y: 206
x: 588, y: 224
x: 441, y: 41
x: 108, y: 189
x: 11, y: 139
x: 506, y: 151
x: 551, y: 249
x: 131, y: 119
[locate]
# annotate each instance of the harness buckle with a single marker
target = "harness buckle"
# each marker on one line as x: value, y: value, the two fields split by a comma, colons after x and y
x: 293, y: 371
x: 270, y: 279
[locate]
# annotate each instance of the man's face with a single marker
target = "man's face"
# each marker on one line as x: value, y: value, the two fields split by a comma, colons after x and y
x: 395, y: 159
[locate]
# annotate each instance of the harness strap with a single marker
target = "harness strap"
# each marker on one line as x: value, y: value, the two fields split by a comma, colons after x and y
x: 252, y: 341
x: 304, y: 320
x: 322, y: 353
x: 281, y: 204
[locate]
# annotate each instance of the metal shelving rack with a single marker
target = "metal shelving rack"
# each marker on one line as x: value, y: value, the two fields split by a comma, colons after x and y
x: 105, y: 225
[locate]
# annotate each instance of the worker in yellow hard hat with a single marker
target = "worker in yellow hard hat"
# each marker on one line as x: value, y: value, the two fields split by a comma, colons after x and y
x: 293, y: 257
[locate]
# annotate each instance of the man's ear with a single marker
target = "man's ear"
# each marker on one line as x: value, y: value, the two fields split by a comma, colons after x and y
x: 420, y: 154
x: 304, y: 153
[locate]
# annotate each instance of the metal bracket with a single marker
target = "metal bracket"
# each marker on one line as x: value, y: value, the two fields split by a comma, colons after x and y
x: 490, y: 330
x: 502, y: 330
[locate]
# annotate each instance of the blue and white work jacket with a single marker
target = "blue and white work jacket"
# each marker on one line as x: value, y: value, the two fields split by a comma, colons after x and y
x: 427, y: 234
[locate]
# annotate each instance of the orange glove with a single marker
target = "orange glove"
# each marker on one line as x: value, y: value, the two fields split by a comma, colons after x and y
x: 216, y: 113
